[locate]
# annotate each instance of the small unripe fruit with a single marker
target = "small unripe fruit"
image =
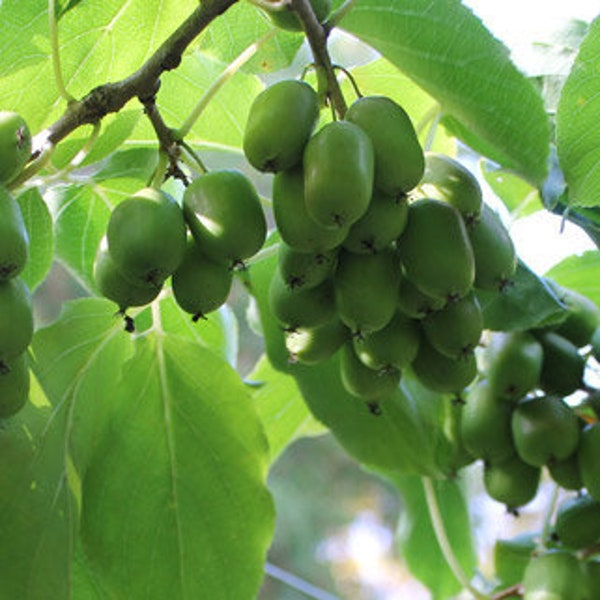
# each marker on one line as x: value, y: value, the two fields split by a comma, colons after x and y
x: 14, y: 385
x: 566, y: 472
x: 582, y: 319
x: 14, y: 240
x: 15, y: 145
x: 16, y: 319
x: 303, y: 270
x: 578, y: 522
x: 562, y: 365
x: 554, y: 575
x: 314, y: 345
x: 587, y: 456
x: 414, y: 303
x: 511, y: 481
x: 288, y: 19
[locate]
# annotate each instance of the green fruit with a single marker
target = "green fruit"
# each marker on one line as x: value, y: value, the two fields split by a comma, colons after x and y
x: 280, y: 123
x: 562, y: 365
x: 486, y: 424
x: 554, y: 575
x: 566, y: 473
x: 453, y: 183
x: 146, y: 236
x: 544, y: 429
x: 399, y: 161
x: 587, y: 456
x: 113, y: 285
x: 16, y: 319
x: 15, y: 145
x: 511, y: 557
x: 303, y: 270
x: 363, y: 382
x: 511, y: 481
x: 301, y: 308
x: 595, y: 342
x: 442, y: 374
x: 494, y: 251
x: 200, y: 284
x: 314, y: 345
x: 414, y: 303
x: 395, y: 345
x: 366, y: 289
x: 14, y: 241
x: 224, y: 214
x: 338, y: 174
x: 583, y: 317
x: 379, y: 227
x: 455, y: 329
x: 295, y: 226
x: 287, y: 18
x: 591, y: 574
x: 435, y: 250
x: 514, y: 364
x: 14, y: 385
x: 453, y: 454
x: 577, y: 522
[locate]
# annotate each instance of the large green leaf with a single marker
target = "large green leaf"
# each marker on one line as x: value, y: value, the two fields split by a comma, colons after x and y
x: 577, y: 127
x: 444, y: 48
x: 580, y: 273
x: 174, y: 502
x: 416, y: 535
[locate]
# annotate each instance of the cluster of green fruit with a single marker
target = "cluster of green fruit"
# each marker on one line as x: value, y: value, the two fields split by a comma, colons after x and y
x: 515, y: 418
x: 362, y: 267
x: 151, y: 237
x: 565, y: 567
x: 16, y: 312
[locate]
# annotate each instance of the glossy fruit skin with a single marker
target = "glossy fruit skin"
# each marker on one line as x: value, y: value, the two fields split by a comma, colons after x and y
x: 554, y: 575
x: 301, y: 308
x: 583, y: 316
x: 223, y: 211
x: 414, y: 303
x: 442, y: 374
x: 14, y: 386
x: 280, y: 122
x: 494, y: 251
x: 377, y: 229
x: 455, y: 329
x: 395, y: 345
x: 453, y: 183
x: 566, y: 473
x: 314, y: 345
x: 435, y: 250
x: 562, y: 365
x: 577, y: 523
x: 288, y: 20
x: 200, y: 284
x: 399, y: 160
x: 366, y: 289
x: 515, y: 364
x: 338, y: 174
x: 146, y: 236
x: 544, y: 429
x: 587, y: 456
x: 15, y: 145
x: 304, y: 270
x: 363, y: 382
x: 296, y: 227
x: 14, y: 240
x: 16, y: 319
x: 112, y: 284
x: 511, y: 481
x: 486, y: 424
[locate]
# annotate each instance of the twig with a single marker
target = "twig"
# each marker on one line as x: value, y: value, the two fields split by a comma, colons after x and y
x: 513, y: 590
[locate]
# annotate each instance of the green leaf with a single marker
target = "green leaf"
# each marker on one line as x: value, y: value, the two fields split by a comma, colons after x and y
x: 281, y: 408
x: 445, y: 49
x: 417, y: 540
x: 38, y: 222
x: 527, y: 302
x: 580, y: 273
x: 520, y: 198
x: 175, y: 501
x: 577, y: 127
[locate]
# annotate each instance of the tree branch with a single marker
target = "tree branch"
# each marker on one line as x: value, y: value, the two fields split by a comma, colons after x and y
x: 144, y: 83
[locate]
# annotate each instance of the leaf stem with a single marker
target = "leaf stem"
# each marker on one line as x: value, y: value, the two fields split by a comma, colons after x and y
x: 297, y: 583
x: 340, y: 13
x: 56, y: 63
x: 223, y: 78
x: 442, y: 538
x: 547, y: 524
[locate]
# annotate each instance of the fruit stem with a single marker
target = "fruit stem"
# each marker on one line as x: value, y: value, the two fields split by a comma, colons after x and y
x: 442, y: 538
x: 158, y: 177
x: 340, y: 13
x: 87, y: 147
x: 547, y: 524
x: 317, y: 34
x: 223, y: 78
x: 56, y: 63
x: 35, y: 166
